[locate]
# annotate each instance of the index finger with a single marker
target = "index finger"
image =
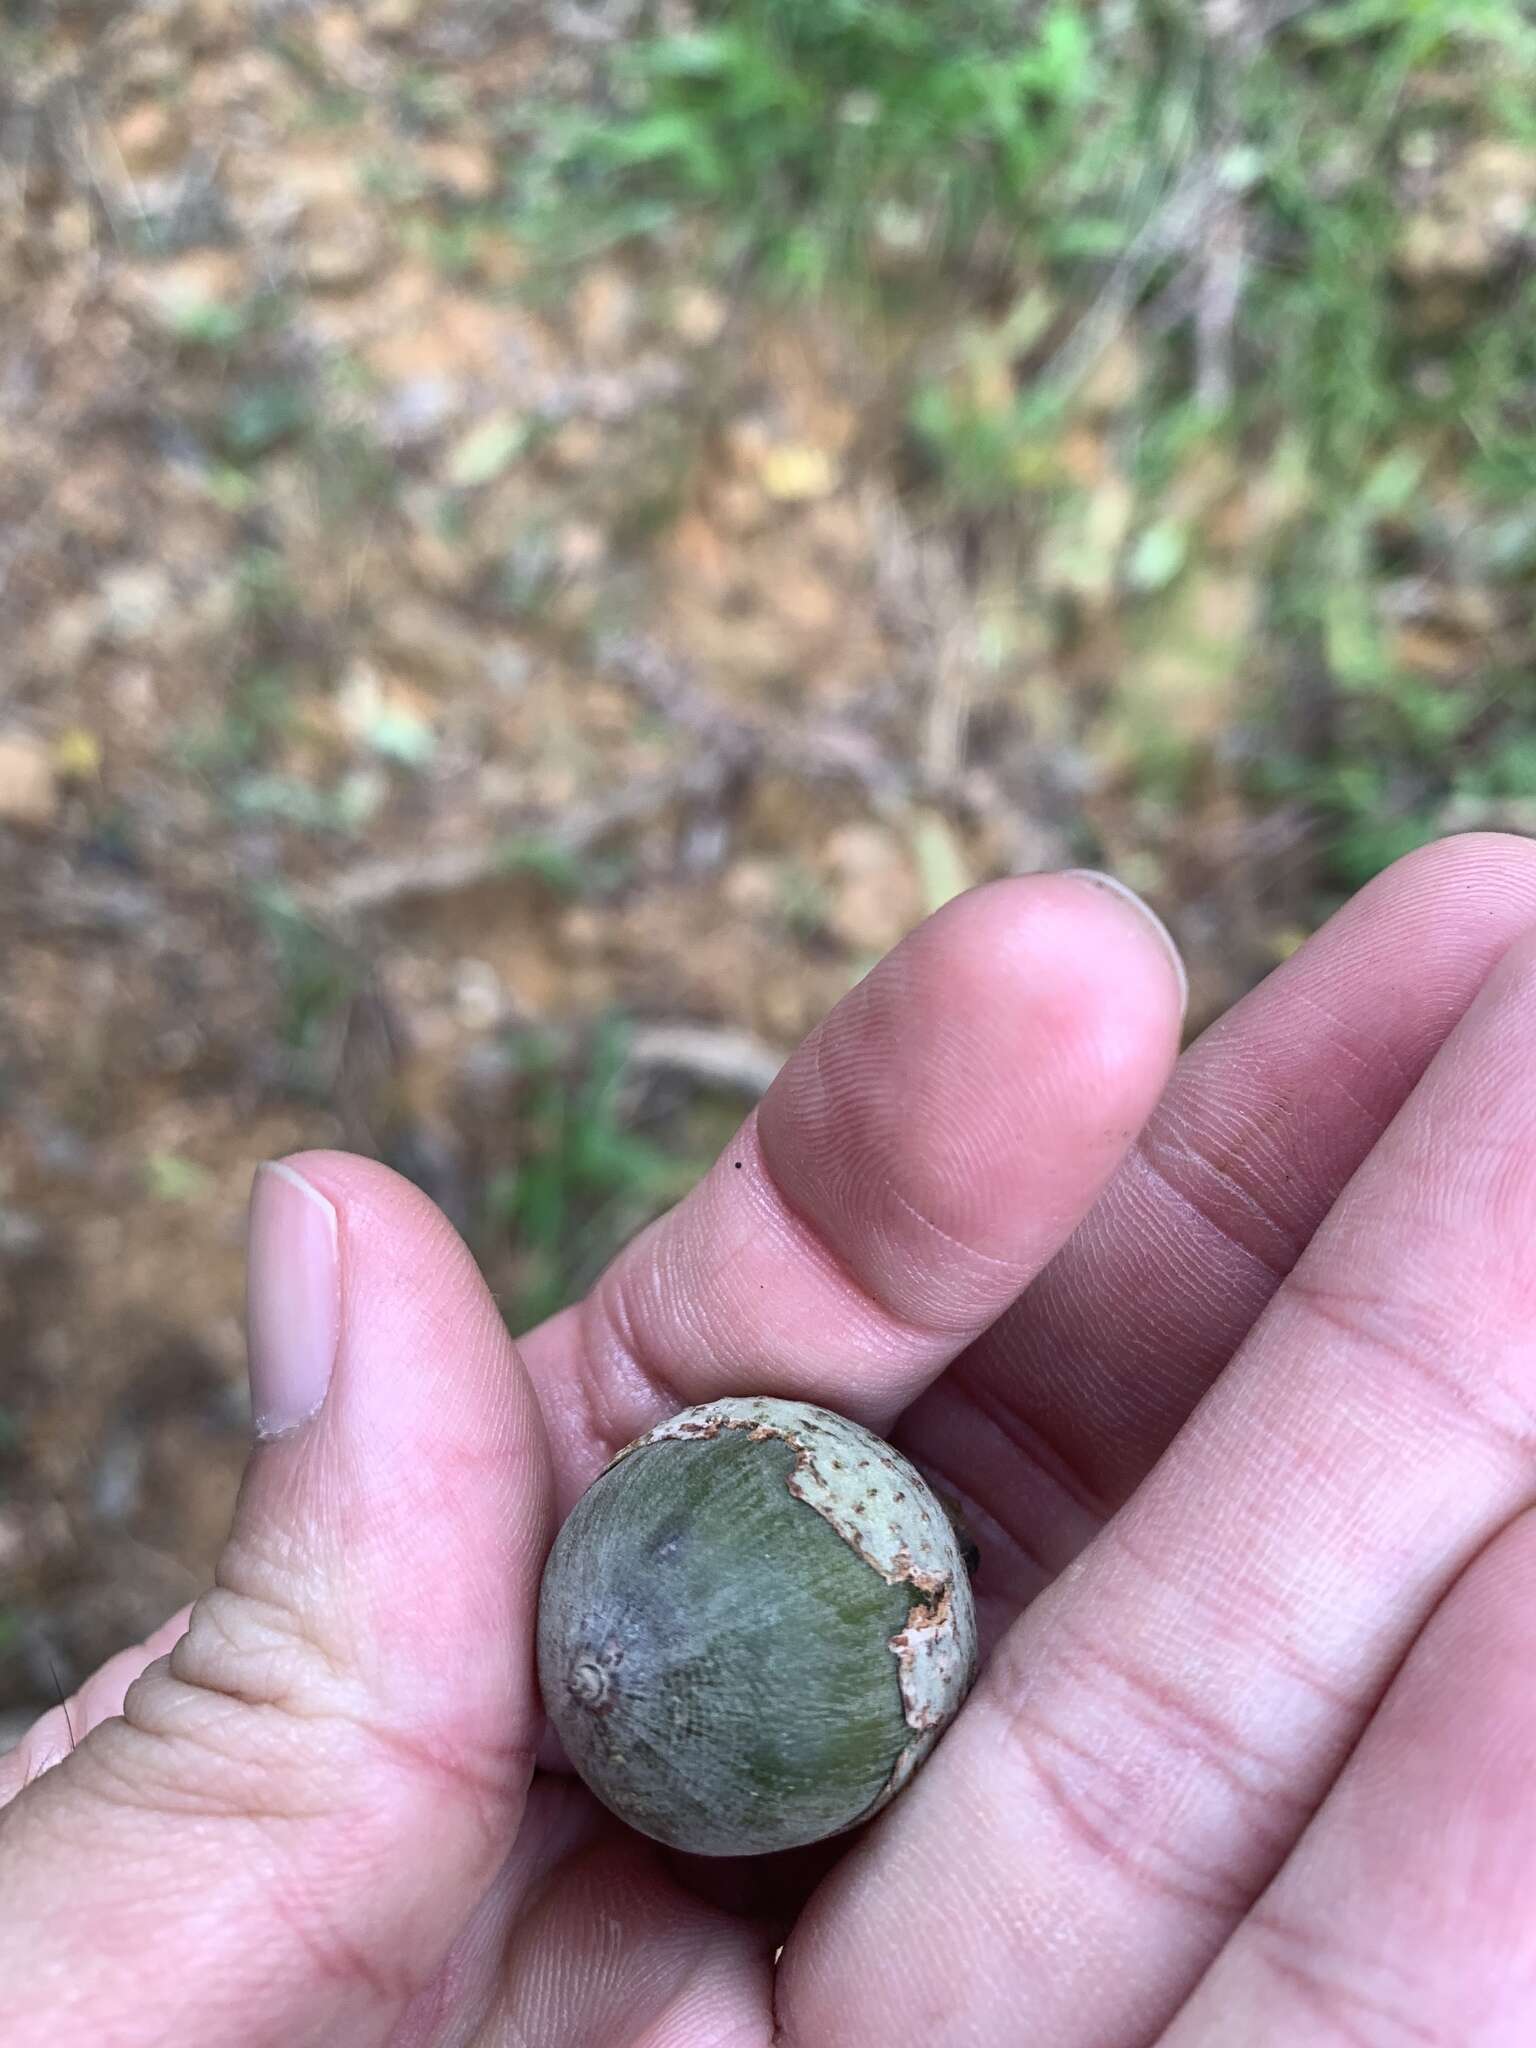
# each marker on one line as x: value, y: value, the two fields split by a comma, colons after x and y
x: 916, y: 1162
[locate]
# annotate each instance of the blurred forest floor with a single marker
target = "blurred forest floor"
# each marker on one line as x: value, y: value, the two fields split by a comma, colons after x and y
x: 539, y: 537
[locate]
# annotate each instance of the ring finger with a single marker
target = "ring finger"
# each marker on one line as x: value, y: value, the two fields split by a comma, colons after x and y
x: 1405, y: 1914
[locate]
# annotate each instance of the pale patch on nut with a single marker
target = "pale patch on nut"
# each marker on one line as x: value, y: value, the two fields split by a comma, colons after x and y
x: 886, y: 1512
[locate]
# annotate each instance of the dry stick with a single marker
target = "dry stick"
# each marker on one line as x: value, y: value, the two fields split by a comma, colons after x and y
x: 49, y: 898
x: 87, y: 154
x: 714, y: 1055
x: 33, y: 532
x: 926, y: 602
x: 1174, y: 227
x: 1231, y: 38
x: 1202, y: 219
x: 1220, y: 292
x: 669, y: 688
x: 923, y: 595
x: 444, y: 871
x: 728, y: 747
x: 827, y: 751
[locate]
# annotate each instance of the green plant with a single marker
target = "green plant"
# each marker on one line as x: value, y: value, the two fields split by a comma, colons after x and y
x: 807, y: 125
x: 257, y: 711
x: 343, y: 806
x: 585, y: 1181
x: 262, y: 414
x: 803, y: 902
x: 570, y: 873
x: 317, y: 976
x: 216, y: 324
x: 1407, y: 762
x: 237, y: 750
x: 1375, y: 398
x: 172, y: 1179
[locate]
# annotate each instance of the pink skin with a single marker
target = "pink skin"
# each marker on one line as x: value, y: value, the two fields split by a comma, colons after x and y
x: 1252, y: 1759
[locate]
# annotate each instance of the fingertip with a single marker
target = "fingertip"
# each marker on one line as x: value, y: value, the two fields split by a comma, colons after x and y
x: 337, y: 1247
x: 955, y: 1116
x: 1147, y: 919
x: 404, y: 1267
x: 1071, y: 966
x: 1504, y: 862
x: 365, y: 1190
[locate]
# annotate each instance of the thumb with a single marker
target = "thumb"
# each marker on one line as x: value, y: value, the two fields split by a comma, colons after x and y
x: 280, y: 1836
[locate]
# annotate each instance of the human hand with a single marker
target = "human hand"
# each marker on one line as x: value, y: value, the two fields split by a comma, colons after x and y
x: 1194, y: 1799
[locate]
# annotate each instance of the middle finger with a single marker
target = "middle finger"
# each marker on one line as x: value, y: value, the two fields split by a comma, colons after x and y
x: 1067, y: 1402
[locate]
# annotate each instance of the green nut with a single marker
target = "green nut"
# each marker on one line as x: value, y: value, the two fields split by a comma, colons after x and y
x: 753, y: 1627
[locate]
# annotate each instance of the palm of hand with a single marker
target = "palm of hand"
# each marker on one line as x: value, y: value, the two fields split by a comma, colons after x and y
x: 1248, y: 1465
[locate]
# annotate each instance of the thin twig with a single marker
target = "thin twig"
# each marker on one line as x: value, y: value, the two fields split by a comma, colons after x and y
x: 924, y: 596
x: 711, y: 1054
x: 1223, y: 270
x: 444, y: 871
x: 1221, y: 260
x: 1175, y: 227
x: 54, y: 900
x: 828, y: 751
x: 97, y: 182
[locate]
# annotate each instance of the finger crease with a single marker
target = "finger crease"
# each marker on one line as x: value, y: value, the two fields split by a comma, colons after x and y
x: 1013, y: 1270
x: 1031, y: 1443
x: 1202, y: 1208
x: 1294, y: 1955
x: 1368, y: 1323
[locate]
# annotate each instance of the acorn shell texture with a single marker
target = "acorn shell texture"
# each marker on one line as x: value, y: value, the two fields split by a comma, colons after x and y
x: 753, y: 1627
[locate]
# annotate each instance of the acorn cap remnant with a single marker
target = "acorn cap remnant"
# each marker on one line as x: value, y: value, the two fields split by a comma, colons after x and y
x: 754, y: 1626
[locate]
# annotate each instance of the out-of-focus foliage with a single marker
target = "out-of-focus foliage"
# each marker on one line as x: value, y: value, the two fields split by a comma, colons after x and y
x: 1088, y: 171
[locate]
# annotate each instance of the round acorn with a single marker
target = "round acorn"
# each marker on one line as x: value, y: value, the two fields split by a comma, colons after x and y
x: 753, y: 1627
